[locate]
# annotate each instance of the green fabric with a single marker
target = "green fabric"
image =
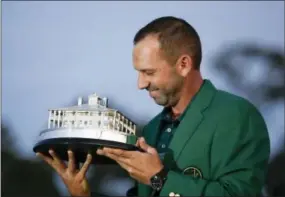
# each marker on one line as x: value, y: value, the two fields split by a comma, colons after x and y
x: 167, y: 128
x: 131, y: 139
x: 221, y: 135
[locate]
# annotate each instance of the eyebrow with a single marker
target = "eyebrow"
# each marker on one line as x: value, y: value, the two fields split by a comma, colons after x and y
x: 148, y: 69
x: 145, y: 69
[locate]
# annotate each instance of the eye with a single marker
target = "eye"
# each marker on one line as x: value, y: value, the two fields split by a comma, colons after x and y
x: 150, y: 72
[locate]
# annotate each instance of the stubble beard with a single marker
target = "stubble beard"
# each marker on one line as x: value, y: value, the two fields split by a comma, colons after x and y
x: 170, y: 97
x: 161, y: 100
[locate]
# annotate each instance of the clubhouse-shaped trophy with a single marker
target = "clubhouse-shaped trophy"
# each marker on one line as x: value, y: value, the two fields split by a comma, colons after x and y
x: 84, y: 128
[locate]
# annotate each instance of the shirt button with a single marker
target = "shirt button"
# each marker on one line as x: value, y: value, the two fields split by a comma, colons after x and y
x: 163, y: 146
x: 168, y: 130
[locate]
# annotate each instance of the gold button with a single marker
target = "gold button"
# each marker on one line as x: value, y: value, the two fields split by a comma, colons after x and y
x: 171, y: 194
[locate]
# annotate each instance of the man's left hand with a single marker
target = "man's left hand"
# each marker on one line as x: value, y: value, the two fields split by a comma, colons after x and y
x: 140, y: 165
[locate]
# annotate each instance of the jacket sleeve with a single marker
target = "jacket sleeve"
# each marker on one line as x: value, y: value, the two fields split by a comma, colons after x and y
x: 241, y: 168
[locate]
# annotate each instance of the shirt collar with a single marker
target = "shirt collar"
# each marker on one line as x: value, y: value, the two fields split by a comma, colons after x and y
x: 166, y: 114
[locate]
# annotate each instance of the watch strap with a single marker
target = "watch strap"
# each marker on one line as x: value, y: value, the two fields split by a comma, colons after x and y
x: 163, y: 173
x: 158, y: 180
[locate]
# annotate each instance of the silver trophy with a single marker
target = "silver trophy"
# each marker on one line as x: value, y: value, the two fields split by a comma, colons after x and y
x: 86, y: 127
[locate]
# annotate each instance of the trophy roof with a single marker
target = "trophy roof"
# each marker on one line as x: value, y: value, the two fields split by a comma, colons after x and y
x: 95, y: 103
x: 84, y: 107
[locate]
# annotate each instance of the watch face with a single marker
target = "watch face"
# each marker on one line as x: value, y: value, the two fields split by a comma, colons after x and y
x: 156, y: 182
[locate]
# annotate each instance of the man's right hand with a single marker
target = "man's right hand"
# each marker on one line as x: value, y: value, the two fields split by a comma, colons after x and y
x: 74, y: 179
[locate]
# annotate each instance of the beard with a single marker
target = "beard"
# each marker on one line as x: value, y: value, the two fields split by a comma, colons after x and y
x: 162, y: 99
x: 169, y: 94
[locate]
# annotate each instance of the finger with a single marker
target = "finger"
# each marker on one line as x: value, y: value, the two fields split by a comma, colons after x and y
x: 125, y: 166
x: 128, y: 164
x: 137, y: 142
x: 50, y: 161
x: 47, y: 159
x: 115, y: 157
x: 85, y: 167
x: 118, y: 152
x: 146, y: 147
x: 71, y: 161
x: 128, y: 168
x: 58, y: 163
x: 126, y: 161
x: 136, y: 174
x: 54, y: 155
x: 132, y: 170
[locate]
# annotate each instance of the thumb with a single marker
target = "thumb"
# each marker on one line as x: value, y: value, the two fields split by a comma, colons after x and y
x: 147, y: 148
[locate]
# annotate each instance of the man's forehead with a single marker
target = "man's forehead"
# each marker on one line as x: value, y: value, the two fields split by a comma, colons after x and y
x: 148, y: 45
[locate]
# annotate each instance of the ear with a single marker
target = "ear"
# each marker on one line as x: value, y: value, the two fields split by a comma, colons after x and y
x: 184, y: 65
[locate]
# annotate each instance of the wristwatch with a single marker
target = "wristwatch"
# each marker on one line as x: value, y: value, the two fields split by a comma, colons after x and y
x: 159, y: 179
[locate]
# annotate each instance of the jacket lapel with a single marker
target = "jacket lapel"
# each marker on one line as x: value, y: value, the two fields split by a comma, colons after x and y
x: 153, y: 131
x: 192, y: 119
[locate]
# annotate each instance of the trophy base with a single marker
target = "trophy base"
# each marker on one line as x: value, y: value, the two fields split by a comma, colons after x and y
x: 81, y: 147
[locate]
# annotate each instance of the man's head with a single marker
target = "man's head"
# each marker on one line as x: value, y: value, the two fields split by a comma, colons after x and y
x: 166, y: 52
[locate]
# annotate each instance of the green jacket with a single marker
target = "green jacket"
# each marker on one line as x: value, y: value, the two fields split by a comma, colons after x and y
x: 223, y: 142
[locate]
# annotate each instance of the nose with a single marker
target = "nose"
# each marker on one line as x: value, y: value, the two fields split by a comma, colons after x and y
x: 142, y: 82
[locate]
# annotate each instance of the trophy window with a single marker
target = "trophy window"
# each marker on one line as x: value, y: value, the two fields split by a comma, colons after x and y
x: 65, y: 123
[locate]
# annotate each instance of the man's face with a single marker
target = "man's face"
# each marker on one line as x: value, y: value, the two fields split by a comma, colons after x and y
x: 155, y: 74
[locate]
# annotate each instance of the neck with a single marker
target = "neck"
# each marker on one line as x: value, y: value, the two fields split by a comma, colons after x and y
x: 190, y: 88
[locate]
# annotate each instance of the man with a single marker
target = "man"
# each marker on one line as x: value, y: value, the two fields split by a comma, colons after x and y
x: 205, y: 142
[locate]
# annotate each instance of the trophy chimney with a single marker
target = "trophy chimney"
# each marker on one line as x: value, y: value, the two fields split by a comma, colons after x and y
x: 105, y: 101
x: 79, y: 101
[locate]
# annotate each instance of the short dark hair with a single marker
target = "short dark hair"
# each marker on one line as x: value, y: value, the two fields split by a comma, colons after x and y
x: 176, y: 36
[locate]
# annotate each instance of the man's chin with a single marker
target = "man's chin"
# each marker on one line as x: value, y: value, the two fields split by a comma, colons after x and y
x: 160, y: 102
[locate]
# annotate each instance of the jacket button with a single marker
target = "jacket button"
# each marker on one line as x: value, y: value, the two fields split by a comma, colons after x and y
x: 171, y: 194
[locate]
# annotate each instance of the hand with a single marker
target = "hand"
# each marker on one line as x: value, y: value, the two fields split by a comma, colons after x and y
x: 73, y: 178
x: 140, y: 165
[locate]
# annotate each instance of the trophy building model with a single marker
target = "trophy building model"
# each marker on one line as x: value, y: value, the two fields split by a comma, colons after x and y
x: 85, y: 127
